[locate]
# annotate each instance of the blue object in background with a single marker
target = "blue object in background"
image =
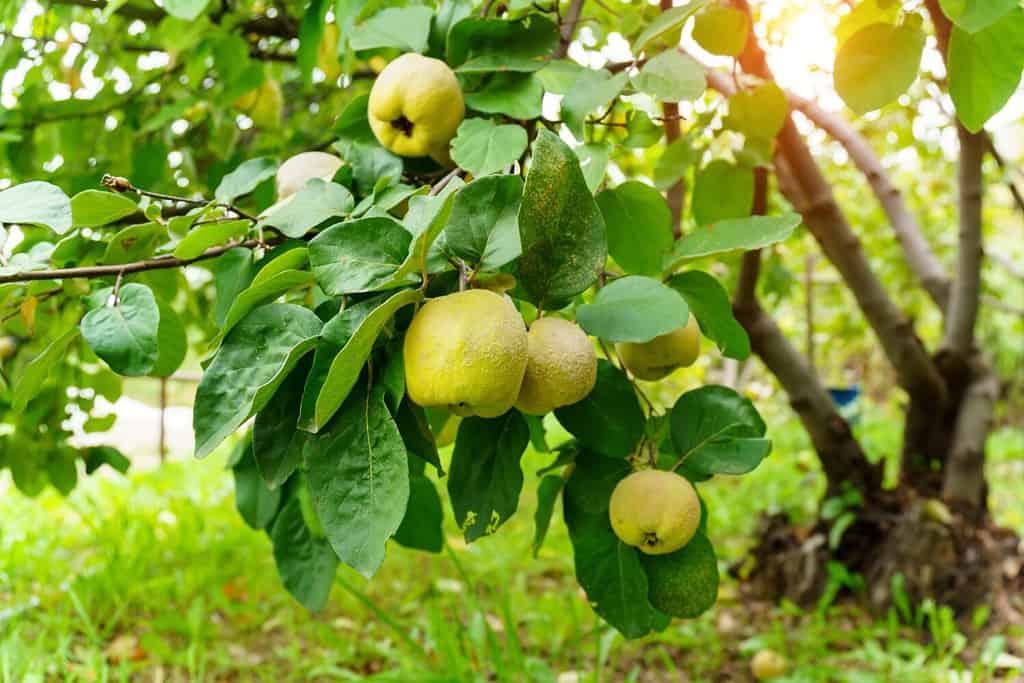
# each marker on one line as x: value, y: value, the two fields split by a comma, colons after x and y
x: 847, y: 400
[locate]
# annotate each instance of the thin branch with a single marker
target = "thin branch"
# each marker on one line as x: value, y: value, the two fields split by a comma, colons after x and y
x: 674, y: 194
x: 1018, y: 198
x: 1001, y: 305
x: 119, y: 184
x: 281, y: 26
x: 568, y: 28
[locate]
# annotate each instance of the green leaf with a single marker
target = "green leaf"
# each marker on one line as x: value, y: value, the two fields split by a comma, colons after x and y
x: 547, y: 495
x: 558, y: 75
x: 722, y: 191
x: 560, y: 226
x: 189, y: 10
x: 353, y: 124
x: 36, y: 203
x: 134, y: 243
x: 262, y: 291
x: 306, y: 564
x: 670, y: 77
x: 483, y: 147
x: 638, y: 223
x: 311, y: 32
x: 244, y: 179
x: 721, y: 30
x: 254, y: 359
x: 609, y: 420
x: 633, y: 309
x: 172, y: 341
x: 878, y: 64
x: 976, y: 15
x: 359, y: 479
x: 593, y: 90
x: 403, y: 28
x: 207, y: 235
x: 347, y: 364
x: 95, y: 208
x: 683, y: 584
x: 593, y: 158
x: 985, y: 69
x: 421, y: 527
x: 478, y: 45
x: 38, y: 370
x: 415, y: 429
x: 759, y: 113
x: 277, y: 442
x: 256, y: 503
x: 449, y: 13
x: 666, y: 21
x: 606, y: 568
x: 426, y: 219
x: 709, y: 303
x: 677, y: 159
x: 373, y: 167
x: 124, y: 334
x: 483, y: 228
x: 485, y: 478
x: 315, y: 202
x: 717, y: 431
x: 739, y: 234
x: 865, y: 13
x: 362, y: 255
x: 515, y: 95
x: 97, y: 456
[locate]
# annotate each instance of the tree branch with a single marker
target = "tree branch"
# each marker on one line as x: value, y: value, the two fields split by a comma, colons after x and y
x: 964, y: 476
x: 674, y: 195
x: 568, y: 28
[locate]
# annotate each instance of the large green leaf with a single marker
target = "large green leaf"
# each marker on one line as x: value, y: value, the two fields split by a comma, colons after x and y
x: 878, y: 64
x: 359, y: 479
x: 277, y: 442
x: 38, y: 370
x: 606, y: 568
x: 547, y: 495
x: 865, y: 13
x: 362, y: 255
x: 315, y: 202
x: 709, y: 303
x: 262, y: 291
x: 985, y: 69
x: 717, y: 431
x: 483, y: 228
x: 485, y: 478
x: 975, y: 15
x: 345, y: 367
x: 593, y: 90
x: 759, y: 113
x: 638, y: 223
x: 722, y: 30
x: 95, y: 208
x: 404, y: 28
x: 305, y: 563
x: 134, y: 243
x: 516, y: 95
x: 244, y: 179
x: 666, y: 21
x: 593, y: 162
x: 421, y: 526
x: 256, y: 503
x: 254, y: 359
x: 738, y: 234
x: 172, y: 341
x: 671, y: 76
x: 124, y: 333
x: 723, y: 190
x: 633, y: 309
x: 609, y: 420
x: 207, y: 235
x: 560, y: 226
x: 36, y: 203
x: 476, y: 45
x: 483, y: 147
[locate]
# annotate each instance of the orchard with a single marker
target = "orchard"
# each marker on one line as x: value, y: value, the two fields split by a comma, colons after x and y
x: 436, y: 267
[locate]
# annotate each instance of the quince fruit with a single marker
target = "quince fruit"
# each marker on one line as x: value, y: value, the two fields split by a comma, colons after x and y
x: 416, y: 106
x: 468, y: 352
x: 768, y: 664
x: 655, y: 511
x: 294, y: 172
x: 561, y: 368
x: 263, y: 105
x: 658, y: 357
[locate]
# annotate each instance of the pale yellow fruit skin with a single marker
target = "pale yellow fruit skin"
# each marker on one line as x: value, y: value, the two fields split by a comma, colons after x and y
x: 300, y: 168
x: 466, y: 351
x: 426, y: 93
x: 327, y: 52
x: 263, y: 105
x: 562, y: 367
x: 655, y: 511
x: 658, y: 357
x: 768, y: 664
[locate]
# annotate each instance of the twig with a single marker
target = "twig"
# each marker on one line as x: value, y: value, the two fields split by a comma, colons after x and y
x: 443, y: 182
x: 119, y: 184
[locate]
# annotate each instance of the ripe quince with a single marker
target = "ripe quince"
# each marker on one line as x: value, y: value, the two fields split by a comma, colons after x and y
x: 416, y: 106
x: 562, y: 366
x: 655, y: 511
x: 658, y: 357
x: 466, y: 351
x: 294, y: 172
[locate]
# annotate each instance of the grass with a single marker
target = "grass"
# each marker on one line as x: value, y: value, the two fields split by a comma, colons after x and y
x: 154, y: 577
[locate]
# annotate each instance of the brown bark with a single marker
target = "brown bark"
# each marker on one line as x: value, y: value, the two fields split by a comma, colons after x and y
x: 963, y: 303
x: 964, y: 477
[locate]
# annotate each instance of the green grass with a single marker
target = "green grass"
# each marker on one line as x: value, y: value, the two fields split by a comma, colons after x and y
x: 155, y: 577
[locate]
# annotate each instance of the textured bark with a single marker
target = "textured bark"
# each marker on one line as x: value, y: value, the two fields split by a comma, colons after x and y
x: 963, y: 302
x: 964, y: 484
x: 925, y: 265
x: 568, y: 28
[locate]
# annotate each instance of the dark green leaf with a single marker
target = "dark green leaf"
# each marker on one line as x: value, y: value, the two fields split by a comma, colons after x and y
x: 633, y: 309
x: 38, y: 370
x: 709, y: 303
x: 256, y: 503
x: 483, y: 228
x: 609, y: 420
x: 485, y: 477
x: 124, y: 333
x: 306, y: 564
x: 516, y: 95
x: 359, y: 478
x: 252, y: 362
x: 262, y: 290
x: 315, y: 202
x: 172, y: 341
x: 476, y: 45
x: 244, y: 179
x: 560, y: 225
x: 717, y: 431
x: 362, y: 255
x: 415, y: 430
x: 547, y: 495
x: 277, y: 442
x: 421, y: 526
x: 638, y: 223
x: 97, y: 456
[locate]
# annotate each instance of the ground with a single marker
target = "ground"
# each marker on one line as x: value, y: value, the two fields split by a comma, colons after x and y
x: 154, y: 577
